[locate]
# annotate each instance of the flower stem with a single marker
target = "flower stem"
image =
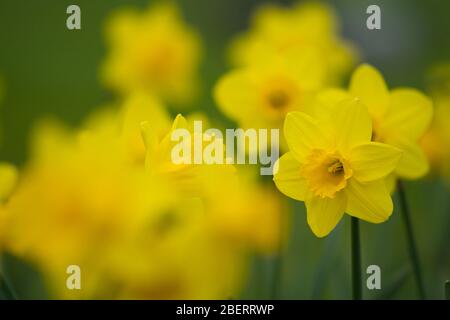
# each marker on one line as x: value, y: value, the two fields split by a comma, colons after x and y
x: 276, y: 279
x: 278, y: 266
x: 356, y: 260
x: 411, y: 240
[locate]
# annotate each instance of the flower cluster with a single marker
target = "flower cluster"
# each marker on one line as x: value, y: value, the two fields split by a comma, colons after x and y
x: 107, y: 196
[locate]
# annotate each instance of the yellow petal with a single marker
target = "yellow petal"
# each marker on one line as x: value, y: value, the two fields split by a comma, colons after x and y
x: 150, y: 141
x: 288, y: 179
x: 409, y: 114
x: 235, y: 95
x: 368, y: 84
x: 368, y: 201
x: 353, y: 125
x: 373, y: 160
x: 322, y: 107
x: 323, y: 214
x: 8, y: 179
x: 303, y: 134
x: 180, y: 122
x: 413, y: 163
x: 391, y: 182
x: 330, y: 97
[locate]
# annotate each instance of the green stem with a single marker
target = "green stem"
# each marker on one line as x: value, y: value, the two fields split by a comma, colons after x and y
x: 413, y: 253
x: 356, y: 260
x: 278, y: 265
x: 276, y: 279
x: 447, y: 290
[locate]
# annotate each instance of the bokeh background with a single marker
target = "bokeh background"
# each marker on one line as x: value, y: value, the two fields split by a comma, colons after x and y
x: 49, y: 70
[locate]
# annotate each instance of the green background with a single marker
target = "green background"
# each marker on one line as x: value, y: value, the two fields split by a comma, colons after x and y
x: 49, y: 70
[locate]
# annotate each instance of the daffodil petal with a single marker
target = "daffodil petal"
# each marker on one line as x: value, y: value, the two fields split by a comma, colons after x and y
x: 288, y: 179
x: 413, y: 163
x: 390, y: 182
x: 303, y: 134
x: 408, y: 115
x: 369, y: 201
x: 180, y: 122
x: 368, y: 84
x: 373, y: 160
x: 353, y: 124
x: 324, y: 104
x: 324, y: 214
x: 8, y: 179
x: 330, y: 97
x: 235, y: 95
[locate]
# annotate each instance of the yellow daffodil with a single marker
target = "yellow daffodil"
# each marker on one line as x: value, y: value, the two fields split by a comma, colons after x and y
x: 82, y: 202
x: 140, y: 106
x: 154, y: 51
x: 277, y: 29
x: 436, y: 141
x: 334, y: 167
x: 400, y: 116
x: 246, y: 213
x: 260, y: 95
x: 234, y: 206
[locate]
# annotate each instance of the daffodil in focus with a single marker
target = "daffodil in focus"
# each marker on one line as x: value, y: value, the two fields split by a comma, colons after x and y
x: 400, y: 116
x: 335, y: 168
x: 153, y: 50
x: 260, y: 95
x: 305, y: 26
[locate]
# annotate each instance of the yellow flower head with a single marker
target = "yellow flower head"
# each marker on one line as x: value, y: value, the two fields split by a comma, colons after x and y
x: 259, y: 96
x: 239, y: 210
x: 436, y: 141
x: 276, y: 29
x: 334, y: 167
x: 400, y: 117
x: 137, y: 107
x: 246, y: 213
x: 82, y: 202
x: 154, y: 51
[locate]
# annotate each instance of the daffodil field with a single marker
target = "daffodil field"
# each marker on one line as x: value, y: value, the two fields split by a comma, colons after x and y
x: 199, y: 149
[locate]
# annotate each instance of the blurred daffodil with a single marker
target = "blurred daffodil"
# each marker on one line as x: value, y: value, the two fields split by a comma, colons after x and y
x: 334, y: 167
x: 234, y: 205
x: 137, y: 107
x: 436, y: 141
x: 277, y: 29
x: 247, y: 213
x: 260, y: 95
x: 152, y: 51
x: 400, y: 116
x: 82, y: 202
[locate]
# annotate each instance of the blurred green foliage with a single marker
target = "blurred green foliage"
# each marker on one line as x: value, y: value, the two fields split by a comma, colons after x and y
x: 49, y: 70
